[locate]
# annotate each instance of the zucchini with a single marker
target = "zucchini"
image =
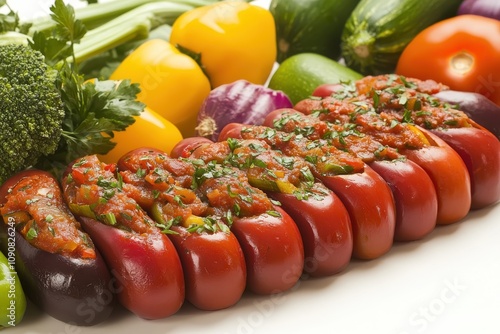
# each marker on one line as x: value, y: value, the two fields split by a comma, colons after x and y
x: 377, y: 31
x: 299, y: 75
x: 310, y: 26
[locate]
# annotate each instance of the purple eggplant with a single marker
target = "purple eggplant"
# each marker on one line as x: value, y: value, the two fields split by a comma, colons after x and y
x: 65, y: 279
x: 479, y: 108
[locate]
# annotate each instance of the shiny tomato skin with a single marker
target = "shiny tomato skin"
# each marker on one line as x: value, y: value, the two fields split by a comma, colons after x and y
x: 147, y: 269
x: 186, y: 146
x: 231, y: 130
x: 413, y: 191
x: 325, y: 228
x: 449, y: 175
x: 462, y: 52
x: 480, y: 151
x: 371, y: 207
x: 325, y: 90
x: 414, y: 196
x: 274, y: 252
x: 214, y: 268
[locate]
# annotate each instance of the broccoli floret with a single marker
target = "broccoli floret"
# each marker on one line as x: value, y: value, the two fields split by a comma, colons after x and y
x: 31, y: 109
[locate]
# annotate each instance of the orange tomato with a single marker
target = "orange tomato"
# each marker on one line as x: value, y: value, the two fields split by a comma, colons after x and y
x: 149, y: 130
x: 462, y: 52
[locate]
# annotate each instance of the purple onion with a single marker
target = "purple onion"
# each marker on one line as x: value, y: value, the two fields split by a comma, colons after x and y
x: 488, y: 8
x: 238, y: 102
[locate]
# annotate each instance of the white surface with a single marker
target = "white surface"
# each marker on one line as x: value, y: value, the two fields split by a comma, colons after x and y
x: 447, y: 283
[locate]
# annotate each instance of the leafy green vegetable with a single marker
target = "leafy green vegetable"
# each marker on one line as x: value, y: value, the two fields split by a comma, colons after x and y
x: 92, y: 111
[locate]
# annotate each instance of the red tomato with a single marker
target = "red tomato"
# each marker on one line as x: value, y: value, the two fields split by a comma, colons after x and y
x: 452, y: 188
x: 462, y: 52
x: 414, y: 196
x: 325, y: 90
x: 150, y: 280
x: 371, y: 206
x: 324, y: 222
x: 325, y: 228
x: 186, y: 146
x: 273, y: 251
x: 480, y: 151
x: 214, y: 268
x: 367, y: 198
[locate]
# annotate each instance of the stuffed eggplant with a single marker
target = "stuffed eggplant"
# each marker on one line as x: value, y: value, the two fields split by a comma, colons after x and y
x: 60, y: 269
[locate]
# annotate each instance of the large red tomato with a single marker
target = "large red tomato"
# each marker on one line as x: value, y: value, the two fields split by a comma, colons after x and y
x: 462, y: 52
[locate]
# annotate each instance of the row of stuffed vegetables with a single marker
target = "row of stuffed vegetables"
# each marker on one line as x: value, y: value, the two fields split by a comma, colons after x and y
x: 302, y: 194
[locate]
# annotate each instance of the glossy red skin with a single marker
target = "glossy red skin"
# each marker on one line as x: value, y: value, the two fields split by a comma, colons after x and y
x: 480, y: 151
x: 213, y: 263
x: 449, y: 175
x: 184, y: 148
x: 150, y: 280
x: 371, y: 206
x: 414, y: 196
x: 82, y: 295
x: 324, y: 225
x: 273, y: 250
x: 325, y: 229
x: 325, y: 90
x: 214, y: 268
x: 413, y: 191
x: 368, y: 200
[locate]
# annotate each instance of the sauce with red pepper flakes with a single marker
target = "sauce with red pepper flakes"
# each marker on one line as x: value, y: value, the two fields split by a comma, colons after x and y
x: 410, y: 100
x: 381, y: 82
x: 343, y: 136
x: 266, y: 169
x: 228, y: 189
x: 92, y: 190
x: 153, y: 178
x: 36, y: 205
x: 359, y: 111
x: 322, y: 158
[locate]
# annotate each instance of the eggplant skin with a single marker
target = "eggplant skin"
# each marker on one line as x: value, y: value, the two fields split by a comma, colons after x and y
x: 478, y: 107
x: 75, y: 291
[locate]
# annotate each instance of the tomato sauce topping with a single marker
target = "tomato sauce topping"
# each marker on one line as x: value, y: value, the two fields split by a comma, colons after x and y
x: 359, y: 111
x: 322, y: 158
x: 35, y: 204
x: 191, y: 191
x: 411, y: 101
x: 266, y: 169
x: 92, y: 190
x: 344, y: 136
x: 387, y: 107
x: 154, y: 179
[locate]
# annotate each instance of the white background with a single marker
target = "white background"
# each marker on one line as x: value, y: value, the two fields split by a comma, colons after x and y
x: 447, y: 283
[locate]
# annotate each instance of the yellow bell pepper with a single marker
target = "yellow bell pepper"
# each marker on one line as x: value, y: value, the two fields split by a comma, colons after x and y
x: 149, y: 130
x: 234, y: 39
x: 172, y: 83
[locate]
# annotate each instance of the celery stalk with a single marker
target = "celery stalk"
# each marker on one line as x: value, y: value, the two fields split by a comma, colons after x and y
x: 132, y: 25
x: 97, y: 14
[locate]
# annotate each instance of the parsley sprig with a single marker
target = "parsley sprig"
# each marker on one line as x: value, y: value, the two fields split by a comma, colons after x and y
x: 94, y: 110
